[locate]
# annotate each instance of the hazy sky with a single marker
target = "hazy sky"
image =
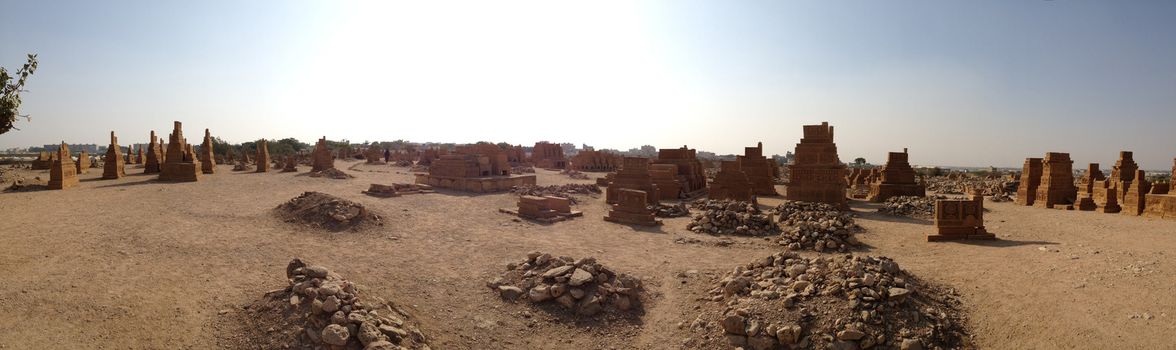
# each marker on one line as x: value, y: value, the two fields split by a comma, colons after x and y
x: 958, y: 82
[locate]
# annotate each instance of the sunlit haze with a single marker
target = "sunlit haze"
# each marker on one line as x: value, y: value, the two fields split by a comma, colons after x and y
x: 973, y: 83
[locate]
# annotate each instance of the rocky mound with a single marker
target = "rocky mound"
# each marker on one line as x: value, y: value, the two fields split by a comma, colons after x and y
x: 922, y: 207
x: 671, y: 211
x: 402, y: 163
x: 321, y: 310
x: 842, y: 302
x: 328, y: 212
x: 815, y: 226
x: 240, y: 166
x: 564, y: 191
x: 580, y: 287
x: 331, y: 173
x: 962, y: 184
x: 731, y: 217
x: 575, y: 174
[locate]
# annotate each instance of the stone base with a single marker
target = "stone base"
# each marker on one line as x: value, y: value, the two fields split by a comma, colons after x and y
x: 960, y: 233
x: 476, y: 184
x: 833, y: 194
x: 881, y: 192
x: 547, y: 216
x: 643, y: 219
x: 1085, y: 204
x: 180, y: 172
x: 1160, y: 206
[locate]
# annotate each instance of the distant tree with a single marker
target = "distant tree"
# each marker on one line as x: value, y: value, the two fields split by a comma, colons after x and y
x: 504, y: 145
x: 10, y: 93
x: 292, y: 145
x: 859, y: 162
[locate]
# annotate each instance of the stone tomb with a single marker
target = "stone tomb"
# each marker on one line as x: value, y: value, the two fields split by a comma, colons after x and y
x: 263, y: 156
x: 113, y: 166
x: 473, y: 173
x: 631, y: 209
x: 179, y: 163
x: 1108, y: 196
x: 1092, y: 179
x: 690, y: 171
x: 321, y: 158
x: 897, y: 179
x: 1135, y: 195
x: 44, y: 161
x: 1030, y: 180
x: 1160, y: 202
x: 598, y: 161
x: 816, y: 174
x: 665, y: 177
x: 62, y: 170
x: 760, y: 170
x: 83, y: 164
x: 154, y: 156
x: 960, y: 219
x: 731, y: 183
x: 547, y: 155
x: 207, y: 161
x: 1057, y: 182
x: 547, y: 209
x: 634, y: 174
x: 290, y: 165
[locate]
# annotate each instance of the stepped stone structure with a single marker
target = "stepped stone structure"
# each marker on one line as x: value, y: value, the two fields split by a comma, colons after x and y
x: 139, y: 155
x: 1030, y: 180
x: 154, y: 156
x: 1092, y: 179
x: 263, y: 157
x: 320, y: 158
x: 207, y: 160
x: 131, y: 155
x: 113, y: 166
x: 1134, y: 196
x: 62, y: 170
x: 691, y: 176
x: 1160, y: 202
x: 630, y: 208
x: 547, y: 155
x: 1109, y: 196
x: 960, y: 219
x: 475, y: 168
x: 634, y: 174
x: 731, y: 183
x: 371, y: 155
x: 515, y: 155
x: 545, y: 209
x: 897, y: 179
x: 816, y: 174
x: 431, y: 154
x: 179, y: 162
x: 759, y: 169
x: 665, y: 177
x: 83, y: 165
x: 44, y: 161
x: 1057, y: 182
x: 599, y: 161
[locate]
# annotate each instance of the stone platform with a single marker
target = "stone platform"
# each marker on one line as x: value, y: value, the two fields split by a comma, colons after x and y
x: 486, y: 184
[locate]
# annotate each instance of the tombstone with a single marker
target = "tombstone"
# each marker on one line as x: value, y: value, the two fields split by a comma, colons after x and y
x: 263, y: 157
x: 691, y: 176
x: 896, y: 178
x: 516, y: 155
x: 1134, y: 199
x: 179, y: 162
x: 83, y: 165
x: 62, y: 170
x: 320, y: 158
x: 596, y: 161
x: 1108, y: 196
x: 1092, y: 179
x: 291, y: 164
x: 959, y: 219
x: 130, y: 155
x: 731, y: 183
x: 1057, y: 182
x: 475, y: 168
x: 816, y: 174
x: 547, y: 155
x: 634, y: 174
x: 630, y: 208
x: 154, y: 156
x: 665, y: 177
x: 544, y: 209
x: 43, y: 162
x: 371, y: 155
x: 1030, y: 180
x: 113, y: 166
x: 759, y: 170
x: 207, y: 161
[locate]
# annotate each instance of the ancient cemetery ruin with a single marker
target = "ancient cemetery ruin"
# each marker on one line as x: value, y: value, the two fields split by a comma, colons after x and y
x: 1030, y: 180
x: 731, y: 183
x: 665, y: 177
x: 759, y: 169
x: 62, y: 170
x: 396, y: 190
x: 321, y: 158
x: 631, y: 208
x: 1161, y: 201
x: 547, y: 155
x: 1092, y: 179
x: 897, y: 179
x: 179, y: 163
x: 547, y: 209
x: 83, y: 163
x: 154, y: 156
x: 690, y: 176
x: 113, y: 166
x: 583, y: 288
x: 960, y: 219
x: 634, y: 174
x: 290, y: 165
x: 596, y: 161
x: 1056, y: 188
x: 43, y: 161
x: 473, y: 169
x: 207, y: 161
x: 817, y: 174
x: 263, y: 156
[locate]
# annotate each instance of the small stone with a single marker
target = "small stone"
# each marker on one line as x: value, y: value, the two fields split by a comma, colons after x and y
x: 335, y: 334
x: 369, y: 333
x: 316, y: 271
x: 735, y: 324
x: 911, y: 344
x: 339, y: 318
x: 511, y: 293
x: 539, y: 294
x: 579, y: 277
x: 331, y: 304
x: 850, y: 334
x: 558, y: 271
x: 788, y: 335
x: 381, y: 345
x: 576, y: 293
x: 898, y: 294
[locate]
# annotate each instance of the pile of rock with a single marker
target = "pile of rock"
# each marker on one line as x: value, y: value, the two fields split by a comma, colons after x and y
x: 1001, y: 197
x: 518, y: 170
x: 402, y: 163
x: 841, y: 302
x: 240, y: 166
x: 815, y: 226
x: 563, y: 191
x: 331, y: 173
x: 575, y: 174
x: 923, y: 207
x: 963, y: 183
x: 325, y: 211
x: 333, y: 313
x: 419, y: 168
x: 731, y: 217
x: 582, y: 287
x: 670, y: 211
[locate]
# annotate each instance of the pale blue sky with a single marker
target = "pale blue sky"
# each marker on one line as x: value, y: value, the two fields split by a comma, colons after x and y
x: 958, y: 82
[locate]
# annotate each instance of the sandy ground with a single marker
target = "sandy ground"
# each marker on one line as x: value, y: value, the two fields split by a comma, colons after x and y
x: 138, y: 264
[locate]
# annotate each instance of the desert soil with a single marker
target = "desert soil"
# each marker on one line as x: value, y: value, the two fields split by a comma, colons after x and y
x: 139, y: 264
